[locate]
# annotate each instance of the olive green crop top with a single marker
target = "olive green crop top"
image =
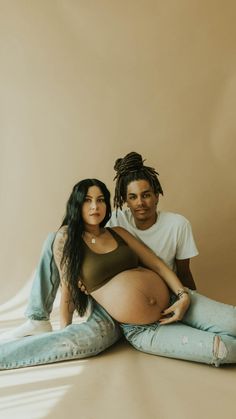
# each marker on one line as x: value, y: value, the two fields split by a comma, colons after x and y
x: 98, y: 268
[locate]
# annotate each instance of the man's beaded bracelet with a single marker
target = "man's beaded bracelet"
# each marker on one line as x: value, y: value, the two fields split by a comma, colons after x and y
x: 180, y: 293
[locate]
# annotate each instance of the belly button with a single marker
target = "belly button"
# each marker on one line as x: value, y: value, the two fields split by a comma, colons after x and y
x: 152, y: 301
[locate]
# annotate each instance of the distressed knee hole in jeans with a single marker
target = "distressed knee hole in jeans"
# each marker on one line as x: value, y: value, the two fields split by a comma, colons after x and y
x: 219, y: 348
x: 184, y: 340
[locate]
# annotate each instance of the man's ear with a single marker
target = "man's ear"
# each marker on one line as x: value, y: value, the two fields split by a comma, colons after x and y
x: 126, y: 203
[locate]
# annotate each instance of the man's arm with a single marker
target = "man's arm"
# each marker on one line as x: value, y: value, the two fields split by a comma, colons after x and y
x: 184, y: 274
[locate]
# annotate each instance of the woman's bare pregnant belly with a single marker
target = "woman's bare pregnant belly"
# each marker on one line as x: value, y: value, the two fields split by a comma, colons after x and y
x: 134, y: 296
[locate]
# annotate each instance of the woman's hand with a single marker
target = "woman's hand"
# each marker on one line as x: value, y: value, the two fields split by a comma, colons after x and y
x: 176, y: 311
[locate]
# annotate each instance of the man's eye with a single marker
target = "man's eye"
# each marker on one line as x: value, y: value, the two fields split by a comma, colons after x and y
x: 132, y: 197
x: 146, y: 195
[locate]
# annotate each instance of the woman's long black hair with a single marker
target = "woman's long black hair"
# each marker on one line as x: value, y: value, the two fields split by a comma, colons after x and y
x: 73, y: 250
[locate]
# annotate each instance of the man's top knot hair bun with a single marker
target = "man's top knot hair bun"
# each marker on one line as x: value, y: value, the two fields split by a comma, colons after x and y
x: 130, y: 163
x: 117, y: 165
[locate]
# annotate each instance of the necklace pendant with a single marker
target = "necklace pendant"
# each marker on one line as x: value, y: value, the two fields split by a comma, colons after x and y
x: 93, y: 240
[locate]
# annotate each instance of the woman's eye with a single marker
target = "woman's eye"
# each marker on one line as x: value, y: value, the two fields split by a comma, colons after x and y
x: 87, y: 199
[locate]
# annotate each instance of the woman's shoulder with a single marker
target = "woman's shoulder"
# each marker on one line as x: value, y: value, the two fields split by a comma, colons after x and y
x: 123, y: 233
x: 118, y: 230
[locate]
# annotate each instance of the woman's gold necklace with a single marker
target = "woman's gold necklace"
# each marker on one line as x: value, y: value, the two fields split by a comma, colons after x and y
x: 93, y: 238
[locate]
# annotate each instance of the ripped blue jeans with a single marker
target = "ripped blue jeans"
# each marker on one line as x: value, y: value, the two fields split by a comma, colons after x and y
x: 75, y: 341
x: 194, y: 338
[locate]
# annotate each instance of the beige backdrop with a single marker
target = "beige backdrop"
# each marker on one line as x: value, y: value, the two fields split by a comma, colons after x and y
x: 84, y: 82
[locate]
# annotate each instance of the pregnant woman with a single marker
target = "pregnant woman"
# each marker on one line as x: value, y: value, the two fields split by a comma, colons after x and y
x: 117, y: 270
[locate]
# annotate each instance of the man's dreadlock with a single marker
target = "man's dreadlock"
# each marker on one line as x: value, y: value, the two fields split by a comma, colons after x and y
x: 129, y: 169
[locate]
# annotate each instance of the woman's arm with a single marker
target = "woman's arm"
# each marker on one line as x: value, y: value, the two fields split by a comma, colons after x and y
x: 67, y: 307
x: 153, y: 262
x: 184, y: 273
x: 66, y: 304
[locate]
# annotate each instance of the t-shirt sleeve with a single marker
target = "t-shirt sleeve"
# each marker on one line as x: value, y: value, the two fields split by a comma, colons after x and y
x: 115, y: 219
x: 186, y: 247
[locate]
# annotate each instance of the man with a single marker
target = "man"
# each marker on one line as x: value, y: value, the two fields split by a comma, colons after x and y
x: 168, y: 235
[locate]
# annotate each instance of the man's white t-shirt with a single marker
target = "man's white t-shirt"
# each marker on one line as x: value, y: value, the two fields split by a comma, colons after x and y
x: 170, y: 237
